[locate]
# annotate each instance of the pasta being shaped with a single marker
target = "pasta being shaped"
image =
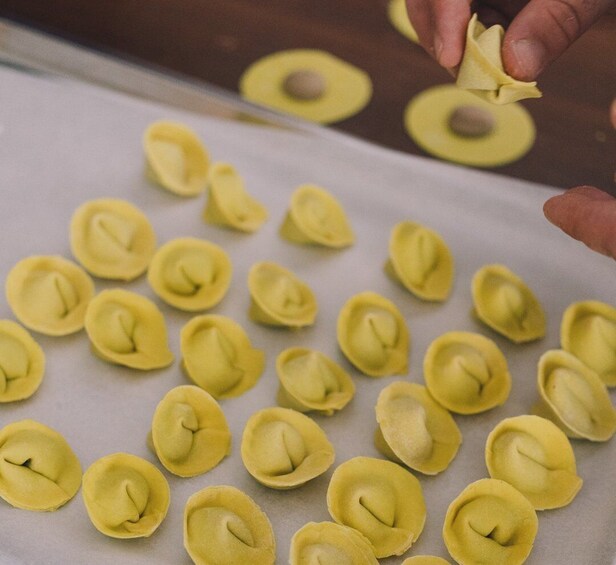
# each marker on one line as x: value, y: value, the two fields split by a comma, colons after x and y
x: 504, y: 303
x: 283, y: 449
x: 49, y: 294
x: 574, y: 397
x: 482, y: 71
x: 328, y: 543
x: 279, y: 297
x: 112, y: 239
x: 466, y: 372
x: 128, y: 329
x: 228, y: 202
x: 315, y: 216
x: 311, y: 381
x: 125, y: 496
x: 421, y: 261
x: 219, y: 357
x: 588, y: 330
x: 381, y: 500
x: 414, y: 429
x: 190, y: 432
x: 190, y: 274
x: 490, y: 522
x: 373, y: 335
x: 175, y: 158
x: 224, y: 526
x: 533, y: 455
x: 38, y: 469
x: 22, y: 362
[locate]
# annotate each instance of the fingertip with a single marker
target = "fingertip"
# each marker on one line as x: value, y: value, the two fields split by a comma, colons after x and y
x: 524, y: 59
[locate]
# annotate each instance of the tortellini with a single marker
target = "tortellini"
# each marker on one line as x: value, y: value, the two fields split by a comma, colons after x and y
x: 190, y: 432
x: 588, y: 330
x: 219, y: 357
x: 466, y: 372
x: 38, y: 469
x: 175, y: 158
x: 574, y: 397
x: 112, y: 239
x: 49, y: 294
x: 279, y: 297
x: 125, y: 496
x: 311, y: 381
x: 490, y: 522
x: 128, y: 329
x: 413, y: 429
x: 425, y: 560
x: 421, y: 261
x: 191, y: 274
x: 224, y: 526
x: 482, y: 70
x: 327, y: 543
x: 535, y: 456
x: 380, y: 499
x: 229, y: 204
x: 283, y: 449
x: 373, y: 335
x: 315, y: 216
x: 504, y: 303
x: 22, y: 362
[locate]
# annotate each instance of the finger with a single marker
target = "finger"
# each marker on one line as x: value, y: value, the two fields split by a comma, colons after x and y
x: 420, y: 14
x: 586, y: 214
x: 543, y: 30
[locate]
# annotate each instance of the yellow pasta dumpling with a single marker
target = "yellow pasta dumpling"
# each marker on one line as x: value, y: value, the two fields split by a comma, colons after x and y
x: 466, y: 372
x: 191, y: 274
x: 381, y: 500
x: 49, y: 294
x: 328, y: 543
x: 535, y: 456
x: 421, y: 261
x: 38, y: 469
x: 503, y: 302
x: 279, y: 297
x: 175, y: 158
x: 373, y: 335
x: 219, y: 357
x: 128, y: 329
x: 311, y: 381
x: 315, y: 216
x: 224, y: 526
x: 425, y: 560
x: 112, y: 239
x: 415, y: 430
x: 228, y: 202
x: 482, y: 72
x: 190, y: 432
x: 125, y: 496
x: 588, y: 330
x: 22, y: 363
x: 283, y: 449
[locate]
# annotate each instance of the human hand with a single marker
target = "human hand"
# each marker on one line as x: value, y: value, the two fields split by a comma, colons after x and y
x: 538, y: 31
x: 586, y: 214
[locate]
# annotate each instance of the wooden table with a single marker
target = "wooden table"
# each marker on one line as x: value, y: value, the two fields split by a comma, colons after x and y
x: 215, y: 40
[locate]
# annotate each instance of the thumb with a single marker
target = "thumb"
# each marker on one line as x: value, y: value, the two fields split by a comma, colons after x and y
x: 543, y: 30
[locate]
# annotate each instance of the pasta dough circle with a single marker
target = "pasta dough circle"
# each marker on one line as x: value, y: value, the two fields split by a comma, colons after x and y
x: 224, y: 526
x: 38, y: 469
x: 22, y: 363
x: 49, y: 294
x: 347, y: 88
x: 125, y: 496
x: 426, y: 119
x: 191, y: 274
x: 399, y: 18
x: 381, y: 500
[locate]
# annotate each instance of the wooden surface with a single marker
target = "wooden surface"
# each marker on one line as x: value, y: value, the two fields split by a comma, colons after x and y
x: 215, y: 40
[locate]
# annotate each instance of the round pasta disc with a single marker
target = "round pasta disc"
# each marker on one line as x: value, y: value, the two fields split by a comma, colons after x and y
x: 399, y: 18
x: 347, y: 88
x: 426, y: 120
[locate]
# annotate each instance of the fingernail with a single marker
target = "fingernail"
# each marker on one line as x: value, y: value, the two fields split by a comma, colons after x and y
x: 530, y: 58
x: 438, y: 47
